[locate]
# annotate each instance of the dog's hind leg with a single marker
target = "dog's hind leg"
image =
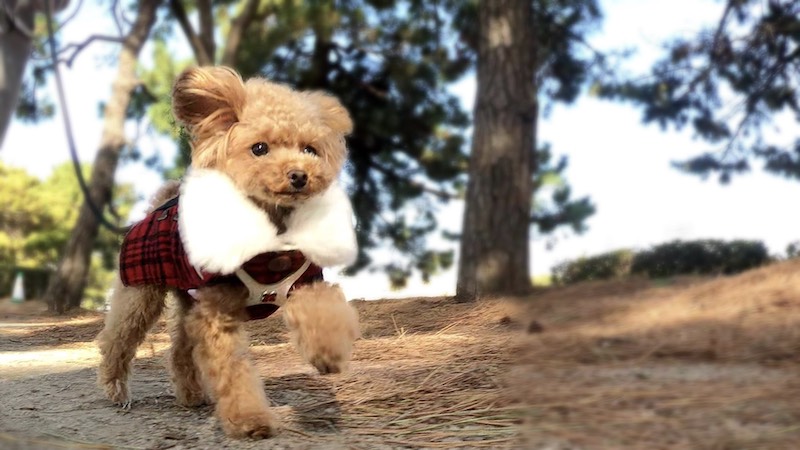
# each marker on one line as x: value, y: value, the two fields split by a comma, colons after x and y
x: 221, y: 352
x: 133, y: 311
x: 185, y: 374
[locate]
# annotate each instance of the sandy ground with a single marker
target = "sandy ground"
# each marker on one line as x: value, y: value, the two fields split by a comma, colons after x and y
x: 634, y: 364
x: 49, y: 397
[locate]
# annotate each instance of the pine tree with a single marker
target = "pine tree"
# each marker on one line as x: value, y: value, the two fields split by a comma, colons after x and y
x: 729, y: 83
x: 529, y: 52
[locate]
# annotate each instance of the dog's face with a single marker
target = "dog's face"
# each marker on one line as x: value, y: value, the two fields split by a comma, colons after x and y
x: 279, y: 146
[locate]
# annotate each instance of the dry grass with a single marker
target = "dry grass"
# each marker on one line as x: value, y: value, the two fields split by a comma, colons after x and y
x: 688, y: 363
x: 752, y: 317
x: 436, y: 382
x: 693, y: 363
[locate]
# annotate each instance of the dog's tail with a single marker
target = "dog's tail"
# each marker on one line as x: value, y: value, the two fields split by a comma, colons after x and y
x: 167, y: 191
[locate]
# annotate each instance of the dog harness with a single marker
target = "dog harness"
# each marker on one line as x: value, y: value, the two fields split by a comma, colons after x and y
x: 153, y: 253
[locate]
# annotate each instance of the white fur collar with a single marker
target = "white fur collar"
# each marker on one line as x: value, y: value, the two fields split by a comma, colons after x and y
x: 221, y: 228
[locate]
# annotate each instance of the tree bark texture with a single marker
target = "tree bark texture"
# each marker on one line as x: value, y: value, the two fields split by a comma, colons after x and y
x: 66, y: 286
x: 16, y: 22
x: 494, y: 256
x: 15, y: 48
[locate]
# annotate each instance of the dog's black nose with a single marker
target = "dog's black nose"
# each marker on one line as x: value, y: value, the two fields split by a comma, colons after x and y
x: 298, y: 178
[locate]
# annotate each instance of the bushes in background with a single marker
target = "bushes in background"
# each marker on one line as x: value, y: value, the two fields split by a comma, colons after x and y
x: 600, y: 267
x: 700, y: 257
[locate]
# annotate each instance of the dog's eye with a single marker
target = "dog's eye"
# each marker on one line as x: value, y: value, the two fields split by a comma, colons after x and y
x: 260, y: 149
x: 310, y: 150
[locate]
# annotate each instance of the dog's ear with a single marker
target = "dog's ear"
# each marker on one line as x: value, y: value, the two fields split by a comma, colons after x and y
x: 208, y: 100
x: 334, y: 115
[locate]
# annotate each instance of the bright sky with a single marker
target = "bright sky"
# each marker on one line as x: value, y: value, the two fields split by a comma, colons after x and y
x: 613, y: 158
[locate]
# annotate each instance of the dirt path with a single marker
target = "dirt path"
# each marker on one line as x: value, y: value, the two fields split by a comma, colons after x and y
x: 49, y: 398
x: 677, y: 364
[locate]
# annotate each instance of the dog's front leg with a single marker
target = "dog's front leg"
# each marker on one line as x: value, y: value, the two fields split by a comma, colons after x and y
x: 221, y: 353
x: 323, y: 326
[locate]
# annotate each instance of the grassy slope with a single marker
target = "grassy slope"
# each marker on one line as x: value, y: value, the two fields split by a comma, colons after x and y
x: 686, y: 363
x: 691, y: 363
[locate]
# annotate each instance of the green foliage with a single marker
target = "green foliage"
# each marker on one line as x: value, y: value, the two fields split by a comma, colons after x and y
x: 727, y: 83
x: 22, y: 210
x: 559, y: 209
x: 565, y: 62
x: 32, y: 105
x: 158, y: 80
x: 701, y: 257
x: 605, y: 266
x: 36, y: 218
x: 793, y: 250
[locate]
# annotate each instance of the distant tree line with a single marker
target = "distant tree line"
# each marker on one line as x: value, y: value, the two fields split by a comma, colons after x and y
x: 697, y: 257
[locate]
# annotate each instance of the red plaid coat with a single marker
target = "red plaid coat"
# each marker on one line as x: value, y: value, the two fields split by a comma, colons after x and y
x: 153, y: 254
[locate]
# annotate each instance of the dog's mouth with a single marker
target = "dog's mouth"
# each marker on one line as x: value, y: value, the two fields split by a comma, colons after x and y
x: 276, y: 198
x: 293, y: 193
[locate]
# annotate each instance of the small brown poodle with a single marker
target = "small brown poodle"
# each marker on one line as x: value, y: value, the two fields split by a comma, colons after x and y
x: 249, y: 229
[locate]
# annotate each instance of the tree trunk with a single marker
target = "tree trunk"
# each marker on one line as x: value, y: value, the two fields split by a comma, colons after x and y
x: 238, y: 28
x: 15, y: 49
x: 202, y: 43
x: 66, y: 286
x: 494, y: 243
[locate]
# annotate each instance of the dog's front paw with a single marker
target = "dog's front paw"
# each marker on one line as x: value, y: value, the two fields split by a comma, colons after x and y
x: 118, y: 392
x: 328, y: 363
x: 190, y: 398
x: 189, y: 390
x: 323, y: 326
x: 259, y: 425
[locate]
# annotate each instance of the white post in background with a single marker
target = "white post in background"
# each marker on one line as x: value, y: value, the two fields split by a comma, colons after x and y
x: 18, y: 292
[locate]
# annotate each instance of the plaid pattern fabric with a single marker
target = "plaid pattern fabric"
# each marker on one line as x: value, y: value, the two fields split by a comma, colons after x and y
x: 153, y: 254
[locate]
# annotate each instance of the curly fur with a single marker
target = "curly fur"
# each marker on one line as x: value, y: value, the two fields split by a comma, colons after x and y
x: 225, y: 116
x: 315, y: 313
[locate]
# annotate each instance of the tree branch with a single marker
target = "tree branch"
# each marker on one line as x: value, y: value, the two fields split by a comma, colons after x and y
x: 199, y: 50
x: 713, y: 51
x: 77, y: 48
x: 205, y: 10
x: 238, y: 27
x: 70, y: 16
x: 720, y: 29
x: 114, y: 8
x: 13, y: 23
x: 124, y: 18
x: 441, y: 194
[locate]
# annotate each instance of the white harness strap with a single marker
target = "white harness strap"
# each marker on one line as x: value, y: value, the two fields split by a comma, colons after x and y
x: 258, y: 291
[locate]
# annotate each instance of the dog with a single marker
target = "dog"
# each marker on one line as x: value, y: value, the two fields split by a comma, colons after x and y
x: 257, y: 216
